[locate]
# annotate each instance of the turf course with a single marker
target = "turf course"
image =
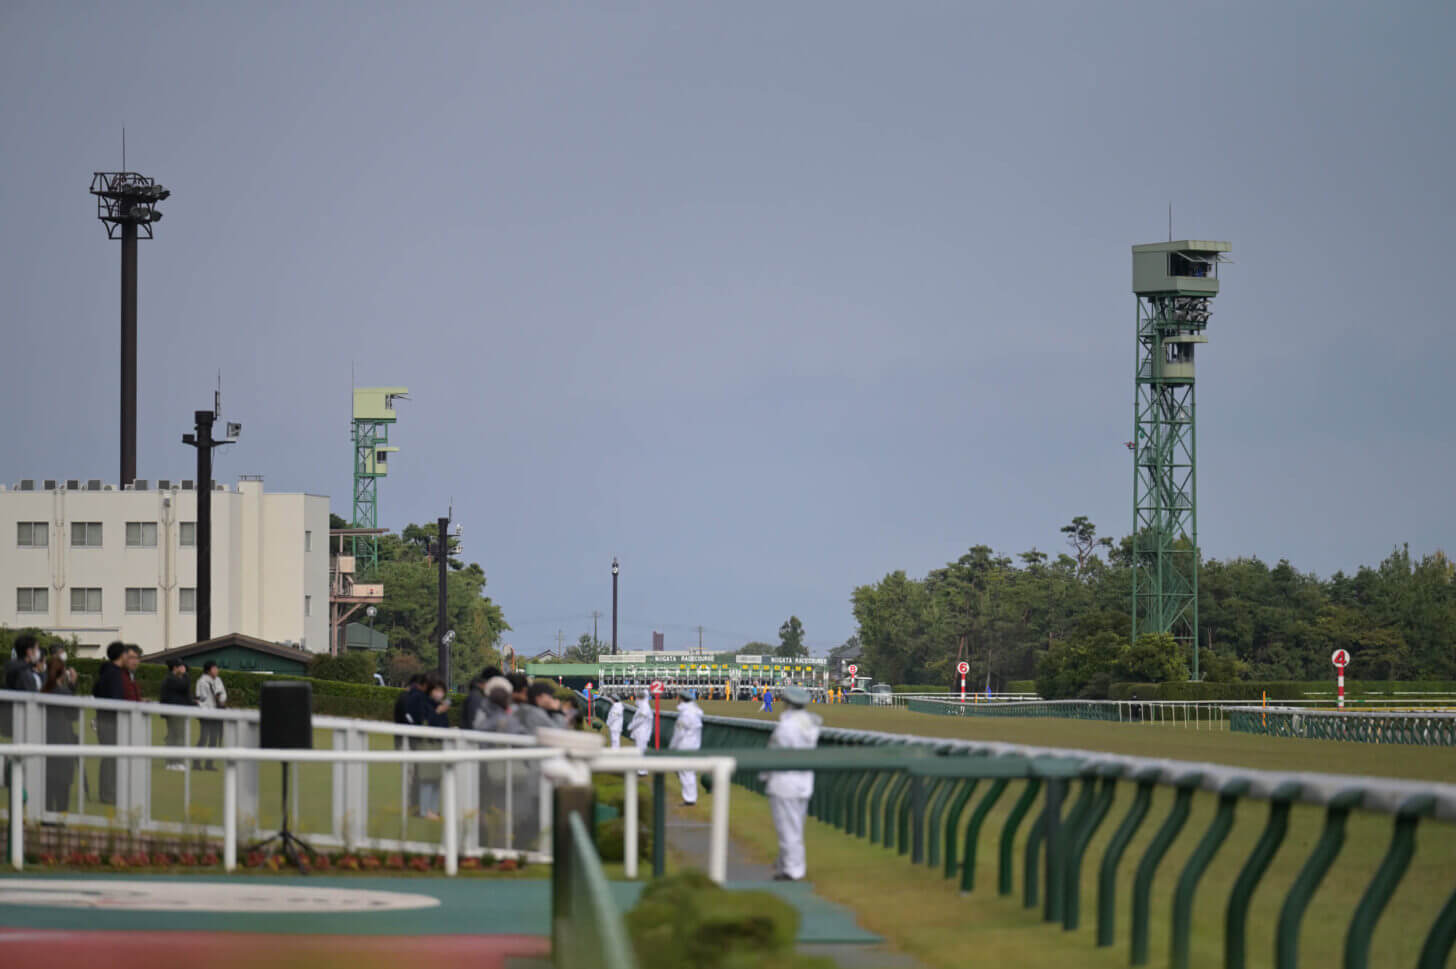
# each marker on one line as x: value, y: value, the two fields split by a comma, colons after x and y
x: 920, y: 912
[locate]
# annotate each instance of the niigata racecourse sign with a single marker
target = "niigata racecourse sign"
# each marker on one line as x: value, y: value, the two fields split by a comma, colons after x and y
x: 195, y: 896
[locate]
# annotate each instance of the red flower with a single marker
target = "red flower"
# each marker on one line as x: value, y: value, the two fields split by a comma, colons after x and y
x: 139, y: 860
x: 469, y: 864
x: 161, y: 860
x: 76, y: 858
x: 254, y: 859
x: 420, y: 863
x: 187, y: 858
x: 116, y: 861
x: 46, y: 858
x: 370, y: 862
x: 92, y: 858
x: 321, y: 861
x: 507, y: 864
x: 395, y: 861
x: 210, y: 859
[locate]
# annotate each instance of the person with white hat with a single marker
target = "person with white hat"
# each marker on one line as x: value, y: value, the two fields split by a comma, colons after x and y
x: 614, y: 721
x: 640, y: 729
x: 687, y: 735
x: 789, y: 790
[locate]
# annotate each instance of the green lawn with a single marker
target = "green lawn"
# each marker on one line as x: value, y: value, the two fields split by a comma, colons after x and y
x: 923, y: 914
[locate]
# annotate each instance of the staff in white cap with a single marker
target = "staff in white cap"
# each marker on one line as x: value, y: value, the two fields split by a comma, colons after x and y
x: 789, y: 790
x: 687, y: 734
x: 640, y: 728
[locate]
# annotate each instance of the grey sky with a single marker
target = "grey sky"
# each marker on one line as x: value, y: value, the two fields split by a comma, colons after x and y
x: 766, y: 299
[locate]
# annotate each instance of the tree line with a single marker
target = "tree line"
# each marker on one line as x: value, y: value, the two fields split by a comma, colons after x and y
x: 1065, y: 620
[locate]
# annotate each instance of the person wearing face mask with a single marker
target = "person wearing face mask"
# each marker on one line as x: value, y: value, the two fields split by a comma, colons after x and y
x: 789, y: 791
x: 687, y: 736
x: 640, y: 729
x: 428, y: 708
x: 61, y: 724
x: 614, y: 721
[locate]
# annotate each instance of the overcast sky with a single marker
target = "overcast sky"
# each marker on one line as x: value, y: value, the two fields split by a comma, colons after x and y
x: 766, y: 299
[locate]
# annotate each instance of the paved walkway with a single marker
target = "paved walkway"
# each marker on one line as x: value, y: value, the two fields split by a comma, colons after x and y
x: 688, y: 837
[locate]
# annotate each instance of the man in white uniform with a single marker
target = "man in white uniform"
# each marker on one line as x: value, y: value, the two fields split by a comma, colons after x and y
x: 687, y: 735
x: 640, y: 729
x: 614, y: 721
x: 789, y: 790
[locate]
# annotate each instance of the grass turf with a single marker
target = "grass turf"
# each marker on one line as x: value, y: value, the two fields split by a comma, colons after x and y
x: 924, y: 914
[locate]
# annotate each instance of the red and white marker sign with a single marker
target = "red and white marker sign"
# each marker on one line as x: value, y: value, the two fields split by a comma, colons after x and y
x: 1341, y: 659
x: 963, y: 668
x: 852, y: 669
x: 657, y: 688
x: 656, y: 714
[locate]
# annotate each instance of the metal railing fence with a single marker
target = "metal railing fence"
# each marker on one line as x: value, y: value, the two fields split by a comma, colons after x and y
x: 912, y: 794
x: 588, y: 928
x: 336, y: 803
x: 1420, y: 729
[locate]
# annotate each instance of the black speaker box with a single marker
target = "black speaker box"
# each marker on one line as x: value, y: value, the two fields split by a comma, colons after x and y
x: 285, y: 712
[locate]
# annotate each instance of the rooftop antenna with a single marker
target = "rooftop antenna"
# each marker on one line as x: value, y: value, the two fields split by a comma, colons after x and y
x: 1170, y: 221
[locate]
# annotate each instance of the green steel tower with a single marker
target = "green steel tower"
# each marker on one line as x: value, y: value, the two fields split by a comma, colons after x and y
x: 373, y: 414
x: 1174, y: 282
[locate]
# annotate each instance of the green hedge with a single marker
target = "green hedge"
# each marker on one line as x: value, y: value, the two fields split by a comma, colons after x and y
x: 1277, y: 690
x: 1021, y: 686
x: 920, y: 688
x: 330, y: 697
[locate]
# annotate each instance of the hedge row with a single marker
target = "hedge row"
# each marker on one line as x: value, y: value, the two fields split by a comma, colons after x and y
x: 1276, y: 690
x: 330, y: 697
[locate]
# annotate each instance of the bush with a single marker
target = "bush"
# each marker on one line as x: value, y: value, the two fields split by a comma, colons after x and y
x: 330, y: 697
x: 686, y: 920
x: 354, y: 667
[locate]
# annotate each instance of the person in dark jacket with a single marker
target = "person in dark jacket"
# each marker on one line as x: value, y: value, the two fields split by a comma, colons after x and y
x: 428, y: 707
x: 129, y: 687
x: 20, y: 671
x: 110, y: 685
x: 61, y: 724
x: 176, y: 692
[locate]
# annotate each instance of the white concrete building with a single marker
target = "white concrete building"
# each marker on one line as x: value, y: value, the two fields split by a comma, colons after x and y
x: 83, y: 559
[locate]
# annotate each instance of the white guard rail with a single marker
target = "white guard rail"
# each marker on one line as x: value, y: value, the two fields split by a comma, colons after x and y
x: 353, y: 803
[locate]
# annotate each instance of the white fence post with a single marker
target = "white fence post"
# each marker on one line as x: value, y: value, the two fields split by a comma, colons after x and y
x: 718, y: 843
x: 17, y: 812
x: 629, y: 824
x: 229, y: 815
x: 450, y: 819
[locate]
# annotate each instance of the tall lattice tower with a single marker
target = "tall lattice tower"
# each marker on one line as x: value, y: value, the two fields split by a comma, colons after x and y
x: 1174, y: 282
x: 373, y: 414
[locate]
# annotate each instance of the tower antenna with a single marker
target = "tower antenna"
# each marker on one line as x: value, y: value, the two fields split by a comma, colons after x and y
x: 1170, y: 221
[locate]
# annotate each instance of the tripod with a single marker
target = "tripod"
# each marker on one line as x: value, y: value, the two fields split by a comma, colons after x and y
x: 285, y: 840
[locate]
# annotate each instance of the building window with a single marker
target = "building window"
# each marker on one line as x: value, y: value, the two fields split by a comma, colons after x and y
x: 308, y: 605
x: 308, y: 541
x: 186, y: 599
x: 187, y: 534
x: 33, y: 600
x: 32, y: 534
x: 85, y: 534
x: 141, y: 534
x: 141, y: 600
x: 85, y: 600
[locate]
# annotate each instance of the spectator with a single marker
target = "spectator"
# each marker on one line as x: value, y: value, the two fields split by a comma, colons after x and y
x: 493, y: 715
x: 110, y: 685
x: 61, y: 725
x: 20, y: 671
x: 541, y: 709
x: 474, y: 700
x: 428, y: 707
x: 211, y: 694
x: 519, y: 685
x: 402, y: 703
x: 129, y: 684
x: 175, y: 692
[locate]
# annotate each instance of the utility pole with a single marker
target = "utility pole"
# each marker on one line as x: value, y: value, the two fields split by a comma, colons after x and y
x: 596, y: 614
x: 442, y: 632
x: 203, y: 441
x: 615, y: 569
x: 700, y: 639
x: 558, y: 644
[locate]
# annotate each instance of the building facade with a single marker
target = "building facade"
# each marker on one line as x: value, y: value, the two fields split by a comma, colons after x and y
x: 87, y: 560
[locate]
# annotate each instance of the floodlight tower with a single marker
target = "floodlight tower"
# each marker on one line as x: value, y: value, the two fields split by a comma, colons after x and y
x: 1174, y: 282
x: 373, y: 414
x: 126, y: 203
